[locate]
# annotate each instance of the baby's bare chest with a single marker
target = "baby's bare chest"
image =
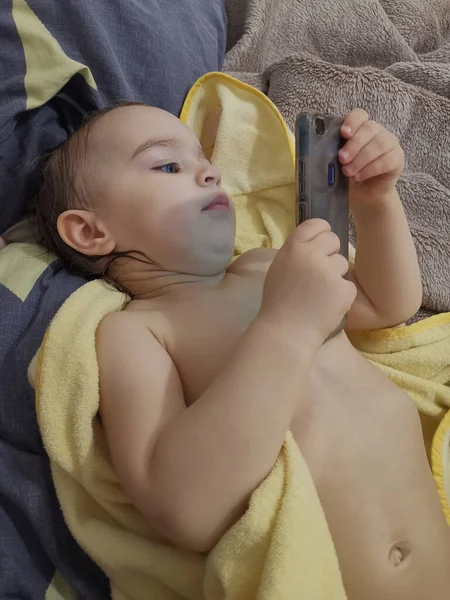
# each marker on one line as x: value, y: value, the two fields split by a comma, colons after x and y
x: 201, y: 334
x: 201, y: 331
x: 352, y: 405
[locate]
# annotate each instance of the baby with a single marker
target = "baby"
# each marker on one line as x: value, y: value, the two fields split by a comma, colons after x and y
x: 212, y: 362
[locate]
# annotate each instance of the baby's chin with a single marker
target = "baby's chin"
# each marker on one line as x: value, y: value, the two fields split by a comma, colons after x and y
x: 216, y: 262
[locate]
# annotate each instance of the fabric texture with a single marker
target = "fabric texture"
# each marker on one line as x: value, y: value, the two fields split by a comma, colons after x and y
x: 61, y: 60
x: 281, y: 548
x: 36, y: 547
x: 390, y: 58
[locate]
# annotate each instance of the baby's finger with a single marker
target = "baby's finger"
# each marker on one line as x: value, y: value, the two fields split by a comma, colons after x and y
x: 353, y: 122
x: 360, y: 139
x: 326, y: 243
x: 387, y: 163
x: 339, y: 264
x: 310, y: 229
x: 379, y: 145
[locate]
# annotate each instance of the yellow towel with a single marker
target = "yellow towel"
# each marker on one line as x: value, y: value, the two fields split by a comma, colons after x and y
x: 246, y: 137
x: 281, y: 549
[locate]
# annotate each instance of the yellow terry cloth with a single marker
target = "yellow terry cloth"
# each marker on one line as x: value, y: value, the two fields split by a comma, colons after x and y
x: 281, y: 549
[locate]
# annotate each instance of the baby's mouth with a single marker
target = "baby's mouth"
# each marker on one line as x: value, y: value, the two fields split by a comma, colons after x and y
x: 220, y: 202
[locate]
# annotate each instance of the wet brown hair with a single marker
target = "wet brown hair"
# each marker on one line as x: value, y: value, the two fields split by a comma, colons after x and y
x: 63, y: 184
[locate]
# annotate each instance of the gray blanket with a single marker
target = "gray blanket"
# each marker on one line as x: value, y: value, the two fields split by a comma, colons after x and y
x: 391, y: 57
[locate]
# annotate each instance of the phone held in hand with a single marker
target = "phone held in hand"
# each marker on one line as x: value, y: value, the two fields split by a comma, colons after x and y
x: 321, y: 187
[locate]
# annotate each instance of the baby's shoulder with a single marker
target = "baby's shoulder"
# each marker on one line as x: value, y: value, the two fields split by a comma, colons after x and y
x: 118, y: 324
x: 129, y: 322
x: 126, y: 333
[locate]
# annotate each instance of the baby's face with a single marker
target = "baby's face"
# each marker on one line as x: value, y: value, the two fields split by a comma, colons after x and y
x: 158, y: 193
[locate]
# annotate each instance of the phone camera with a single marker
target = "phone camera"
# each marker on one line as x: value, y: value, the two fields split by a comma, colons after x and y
x: 320, y: 126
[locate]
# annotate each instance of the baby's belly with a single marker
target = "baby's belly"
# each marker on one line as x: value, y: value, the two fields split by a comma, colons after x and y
x: 363, y: 443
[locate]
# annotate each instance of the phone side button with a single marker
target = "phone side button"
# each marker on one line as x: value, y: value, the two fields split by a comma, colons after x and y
x: 301, y: 212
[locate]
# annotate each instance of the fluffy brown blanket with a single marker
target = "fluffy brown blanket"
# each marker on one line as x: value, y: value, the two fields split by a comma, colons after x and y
x: 391, y: 57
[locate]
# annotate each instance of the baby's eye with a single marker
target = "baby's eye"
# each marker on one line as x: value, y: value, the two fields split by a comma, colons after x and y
x: 169, y: 168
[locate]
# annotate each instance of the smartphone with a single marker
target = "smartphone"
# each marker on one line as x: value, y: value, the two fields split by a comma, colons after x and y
x: 321, y: 187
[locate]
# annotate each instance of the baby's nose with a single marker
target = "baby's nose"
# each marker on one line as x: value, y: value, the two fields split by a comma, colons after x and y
x: 209, y: 176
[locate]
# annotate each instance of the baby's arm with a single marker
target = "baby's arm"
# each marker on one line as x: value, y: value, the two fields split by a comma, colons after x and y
x: 190, y: 471
x: 386, y: 270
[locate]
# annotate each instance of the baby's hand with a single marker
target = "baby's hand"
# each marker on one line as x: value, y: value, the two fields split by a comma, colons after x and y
x: 372, y: 157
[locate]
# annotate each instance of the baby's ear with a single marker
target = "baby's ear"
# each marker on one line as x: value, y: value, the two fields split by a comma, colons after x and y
x: 83, y: 231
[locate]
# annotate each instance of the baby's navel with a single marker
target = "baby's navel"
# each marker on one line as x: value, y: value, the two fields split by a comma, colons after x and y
x: 398, y: 554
